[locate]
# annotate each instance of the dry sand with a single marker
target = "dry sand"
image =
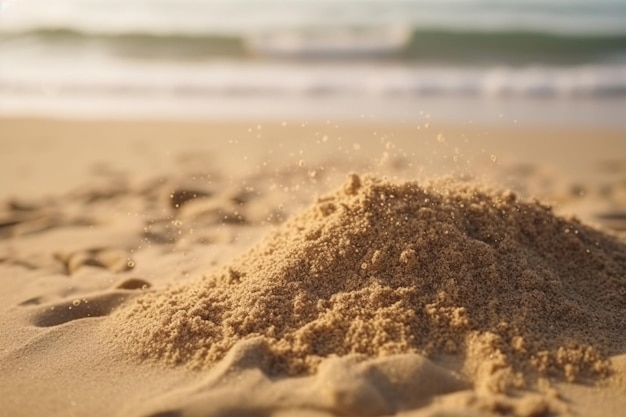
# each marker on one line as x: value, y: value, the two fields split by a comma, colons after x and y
x: 205, y: 269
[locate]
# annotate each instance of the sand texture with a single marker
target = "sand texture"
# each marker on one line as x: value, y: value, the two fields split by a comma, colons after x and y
x: 181, y: 269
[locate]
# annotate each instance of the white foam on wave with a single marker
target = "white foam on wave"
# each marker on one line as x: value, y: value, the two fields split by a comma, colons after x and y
x: 342, y: 44
x: 95, y: 75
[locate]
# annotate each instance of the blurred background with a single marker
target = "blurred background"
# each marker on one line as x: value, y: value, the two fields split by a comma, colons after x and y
x: 556, y: 62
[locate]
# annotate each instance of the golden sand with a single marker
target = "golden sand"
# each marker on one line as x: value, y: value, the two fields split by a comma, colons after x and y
x: 171, y: 268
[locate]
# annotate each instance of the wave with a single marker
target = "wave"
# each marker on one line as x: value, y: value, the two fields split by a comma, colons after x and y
x: 136, y: 44
x: 515, y: 47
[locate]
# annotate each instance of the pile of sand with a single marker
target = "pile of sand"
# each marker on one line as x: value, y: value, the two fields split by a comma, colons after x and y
x: 379, y: 268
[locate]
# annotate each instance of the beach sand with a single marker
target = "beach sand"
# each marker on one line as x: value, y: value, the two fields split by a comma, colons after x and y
x: 256, y: 268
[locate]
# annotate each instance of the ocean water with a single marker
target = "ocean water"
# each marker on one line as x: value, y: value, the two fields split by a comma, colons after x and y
x: 538, y: 60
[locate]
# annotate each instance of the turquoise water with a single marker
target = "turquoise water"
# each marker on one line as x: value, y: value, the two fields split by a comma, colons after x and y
x: 101, y: 55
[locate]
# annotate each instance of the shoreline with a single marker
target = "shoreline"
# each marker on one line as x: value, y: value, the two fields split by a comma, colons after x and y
x: 498, y: 110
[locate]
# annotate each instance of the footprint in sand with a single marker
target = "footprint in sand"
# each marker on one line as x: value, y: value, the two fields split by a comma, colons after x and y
x: 21, y: 224
x: 613, y: 220
x: 90, y: 306
x: 115, y: 260
x: 179, y: 197
x: 133, y: 284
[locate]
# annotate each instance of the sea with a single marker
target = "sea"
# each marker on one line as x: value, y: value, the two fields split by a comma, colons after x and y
x: 463, y: 61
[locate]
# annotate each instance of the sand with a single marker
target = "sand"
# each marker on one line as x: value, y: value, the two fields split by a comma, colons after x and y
x: 212, y: 269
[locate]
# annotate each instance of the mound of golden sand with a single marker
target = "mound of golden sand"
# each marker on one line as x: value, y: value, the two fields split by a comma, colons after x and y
x: 379, y: 268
